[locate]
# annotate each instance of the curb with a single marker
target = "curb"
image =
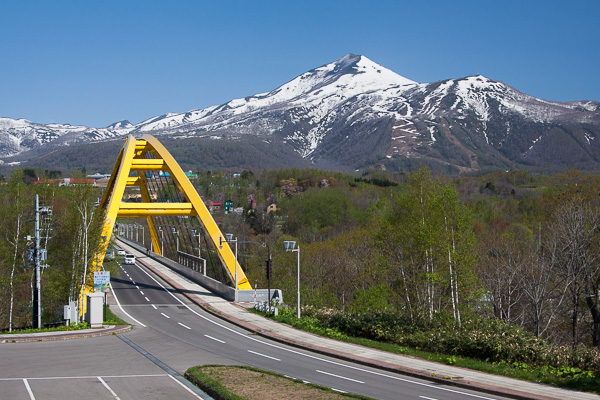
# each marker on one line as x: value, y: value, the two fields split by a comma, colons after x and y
x: 67, y: 335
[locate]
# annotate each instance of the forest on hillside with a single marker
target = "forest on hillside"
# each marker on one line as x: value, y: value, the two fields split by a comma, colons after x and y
x: 520, y: 248
x: 416, y: 250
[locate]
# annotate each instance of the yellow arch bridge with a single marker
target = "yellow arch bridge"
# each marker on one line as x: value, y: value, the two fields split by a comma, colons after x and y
x: 140, y: 164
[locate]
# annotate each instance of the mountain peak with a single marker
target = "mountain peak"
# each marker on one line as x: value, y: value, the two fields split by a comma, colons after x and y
x: 358, y: 64
x: 350, y: 75
x: 120, y: 125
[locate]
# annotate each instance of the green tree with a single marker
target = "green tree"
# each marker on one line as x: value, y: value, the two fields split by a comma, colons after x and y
x: 15, y: 209
x: 428, y: 236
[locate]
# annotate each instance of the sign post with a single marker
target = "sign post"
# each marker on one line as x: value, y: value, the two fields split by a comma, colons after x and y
x: 101, y: 284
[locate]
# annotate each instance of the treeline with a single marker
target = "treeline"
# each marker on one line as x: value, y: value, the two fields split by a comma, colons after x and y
x: 508, y: 246
x: 70, y: 235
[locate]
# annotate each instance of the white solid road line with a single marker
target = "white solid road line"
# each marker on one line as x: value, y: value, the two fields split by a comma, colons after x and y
x: 31, y: 396
x: 263, y: 355
x: 50, y: 378
x: 427, y: 398
x: 339, y: 376
x: 185, y: 387
x: 109, y: 389
x: 121, y: 308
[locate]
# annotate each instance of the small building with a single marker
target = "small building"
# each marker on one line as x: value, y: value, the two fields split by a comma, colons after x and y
x: 214, y: 206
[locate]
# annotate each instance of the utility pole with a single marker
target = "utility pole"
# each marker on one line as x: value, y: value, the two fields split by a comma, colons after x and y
x: 39, y: 255
x: 37, y: 303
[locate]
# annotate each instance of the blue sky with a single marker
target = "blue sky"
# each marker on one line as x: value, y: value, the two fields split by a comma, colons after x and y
x: 95, y: 63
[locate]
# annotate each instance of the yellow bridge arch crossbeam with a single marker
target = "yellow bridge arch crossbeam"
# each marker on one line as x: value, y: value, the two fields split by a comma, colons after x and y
x: 132, y: 158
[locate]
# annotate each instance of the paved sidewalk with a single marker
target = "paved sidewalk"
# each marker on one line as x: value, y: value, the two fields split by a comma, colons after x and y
x: 442, y: 373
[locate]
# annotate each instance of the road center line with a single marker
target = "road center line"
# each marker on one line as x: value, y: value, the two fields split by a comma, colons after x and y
x: 164, y: 315
x: 339, y: 376
x: 147, y: 299
x: 109, y: 389
x: 427, y: 398
x: 142, y: 292
x: 218, y: 340
x: 264, y: 355
x: 31, y: 396
x: 185, y: 326
x: 153, y: 306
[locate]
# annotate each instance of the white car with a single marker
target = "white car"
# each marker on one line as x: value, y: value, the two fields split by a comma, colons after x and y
x: 129, y: 259
x: 121, y: 252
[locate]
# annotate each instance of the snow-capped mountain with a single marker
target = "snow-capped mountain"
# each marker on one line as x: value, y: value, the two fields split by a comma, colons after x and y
x: 354, y: 113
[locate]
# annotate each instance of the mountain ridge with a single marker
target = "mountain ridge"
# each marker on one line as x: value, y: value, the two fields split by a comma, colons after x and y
x: 356, y: 114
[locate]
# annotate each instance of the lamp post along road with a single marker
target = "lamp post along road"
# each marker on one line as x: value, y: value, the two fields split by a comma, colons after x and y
x: 229, y: 239
x: 291, y: 246
x: 162, y: 241
x: 194, y: 234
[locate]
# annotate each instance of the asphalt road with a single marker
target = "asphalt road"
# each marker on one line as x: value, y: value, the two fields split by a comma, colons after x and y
x: 99, y: 368
x: 182, y: 335
x: 169, y: 336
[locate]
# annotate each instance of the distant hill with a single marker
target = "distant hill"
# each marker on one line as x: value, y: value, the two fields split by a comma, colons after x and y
x: 347, y: 115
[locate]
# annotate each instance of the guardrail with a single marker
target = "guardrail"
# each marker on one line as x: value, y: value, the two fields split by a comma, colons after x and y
x: 194, y: 273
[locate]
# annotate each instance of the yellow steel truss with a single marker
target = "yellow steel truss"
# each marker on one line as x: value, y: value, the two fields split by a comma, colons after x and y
x: 132, y: 157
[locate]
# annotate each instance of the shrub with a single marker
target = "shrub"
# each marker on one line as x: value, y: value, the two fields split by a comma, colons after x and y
x: 478, y: 337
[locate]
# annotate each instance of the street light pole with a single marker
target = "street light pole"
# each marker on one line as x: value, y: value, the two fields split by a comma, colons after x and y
x: 194, y: 234
x: 298, y: 281
x: 229, y: 239
x: 291, y: 246
x: 162, y: 241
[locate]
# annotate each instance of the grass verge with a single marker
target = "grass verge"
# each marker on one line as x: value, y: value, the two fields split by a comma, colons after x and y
x: 112, y: 319
x: 249, y: 383
x: 109, y: 319
x: 71, y: 327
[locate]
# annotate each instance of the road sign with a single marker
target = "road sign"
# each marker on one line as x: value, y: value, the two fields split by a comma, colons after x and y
x: 101, y: 281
